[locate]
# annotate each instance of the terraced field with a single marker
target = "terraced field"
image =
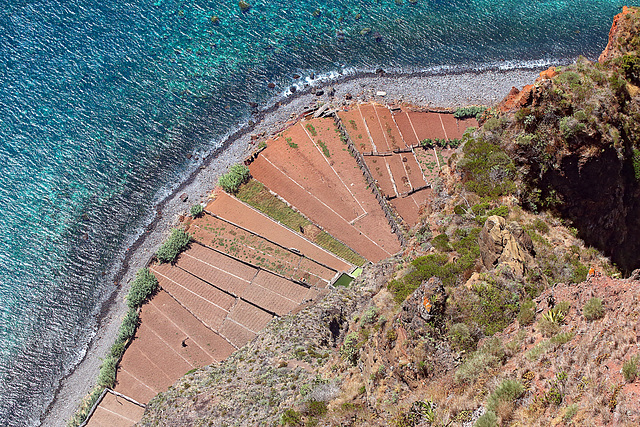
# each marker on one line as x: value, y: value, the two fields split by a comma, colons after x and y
x: 390, y: 144
x: 115, y: 411
x: 310, y: 168
x: 307, y: 216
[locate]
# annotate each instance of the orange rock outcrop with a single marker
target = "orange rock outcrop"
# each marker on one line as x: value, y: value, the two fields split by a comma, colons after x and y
x: 613, y: 47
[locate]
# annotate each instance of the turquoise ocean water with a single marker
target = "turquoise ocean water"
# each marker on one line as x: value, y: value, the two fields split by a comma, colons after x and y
x: 101, y: 101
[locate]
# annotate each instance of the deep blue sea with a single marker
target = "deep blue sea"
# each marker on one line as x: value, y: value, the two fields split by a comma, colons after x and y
x: 101, y: 101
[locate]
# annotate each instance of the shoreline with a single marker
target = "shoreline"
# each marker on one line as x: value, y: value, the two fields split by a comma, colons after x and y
x: 423, y: 89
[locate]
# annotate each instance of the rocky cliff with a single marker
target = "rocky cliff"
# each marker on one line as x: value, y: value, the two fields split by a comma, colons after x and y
x: 499, y: 311
x: 574, y: 138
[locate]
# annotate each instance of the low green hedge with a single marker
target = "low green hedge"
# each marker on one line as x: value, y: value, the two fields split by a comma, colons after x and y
x: 232, y: 180
x: 174, y: 245
x: 142, y: 288
x: 466, y: 112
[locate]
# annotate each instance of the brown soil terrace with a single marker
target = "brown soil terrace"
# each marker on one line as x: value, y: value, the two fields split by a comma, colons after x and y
x: 244, y: 268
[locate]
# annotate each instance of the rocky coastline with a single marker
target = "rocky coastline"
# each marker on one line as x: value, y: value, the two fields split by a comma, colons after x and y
x: 435, y: 91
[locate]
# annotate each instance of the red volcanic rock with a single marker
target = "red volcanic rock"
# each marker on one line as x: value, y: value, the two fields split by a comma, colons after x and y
x: 517, y: 98
x: 613, y: 47
x: 548, y: 74
x: 520, y: 98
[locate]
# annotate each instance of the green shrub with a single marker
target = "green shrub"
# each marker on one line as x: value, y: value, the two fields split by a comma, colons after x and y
x: 231, y: 181
x: 537, y: 351
x: 525, y: 139
x: 581, y: 116
x: 460, y: 337
x: 436, y: 265
x: 142, y: 287
x: 495, y: 307
x: 593, y: 309
x: 466, y: 112
x: 630, y: 64
x: 172, y: 247
x: 507, y: 391
x: 570, y: 127
x: 480, y: 208
x: 486, y: 358
x: 291, y: 417
x: 488, y: 419
x: 423, y: 268
x: 370, y: 315
x: 459, y: 210
x: 350, y: 348
x: 196, y: 210
x: 630, y: 369
x: 492, y: 124
x: 107, y: 375
x: 441, y: 243
x: 541, y: 226
x: 488, y: 169
x: 502, y: 211
x: 128, y: 327
x: 316, y: 408
x: 547, y: 327
x: 527, y: 312
x: 562, y: 338
x: 579, y: 273
x: 117, y: 350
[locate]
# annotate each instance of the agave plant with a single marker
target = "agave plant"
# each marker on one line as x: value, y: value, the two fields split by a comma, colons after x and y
x: 554, y: 315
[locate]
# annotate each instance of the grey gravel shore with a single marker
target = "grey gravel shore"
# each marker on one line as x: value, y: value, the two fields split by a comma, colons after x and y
x: 446, y: 91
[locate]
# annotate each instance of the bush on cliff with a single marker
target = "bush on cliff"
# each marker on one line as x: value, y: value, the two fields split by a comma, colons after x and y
x: 488, y: 169
x: 142, y: 288
x: 232, y: 180
x: 593, y: 309
x: 174, y: 245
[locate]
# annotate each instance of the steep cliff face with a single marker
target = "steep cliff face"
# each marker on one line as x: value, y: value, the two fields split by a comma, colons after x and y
x: 574, y: 137
x: 623, y: 29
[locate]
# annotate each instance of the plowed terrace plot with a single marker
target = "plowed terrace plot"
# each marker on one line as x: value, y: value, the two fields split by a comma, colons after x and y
x: 234, y: 319
x: 243, y: 280
x: 429, y: 161
x: 156, y: 358
x: 416, y: 126
x: 247, y: 246
x: 398, y: 173
x: 310, y: 167
x: 115, y: 411
x: 233, y: 210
